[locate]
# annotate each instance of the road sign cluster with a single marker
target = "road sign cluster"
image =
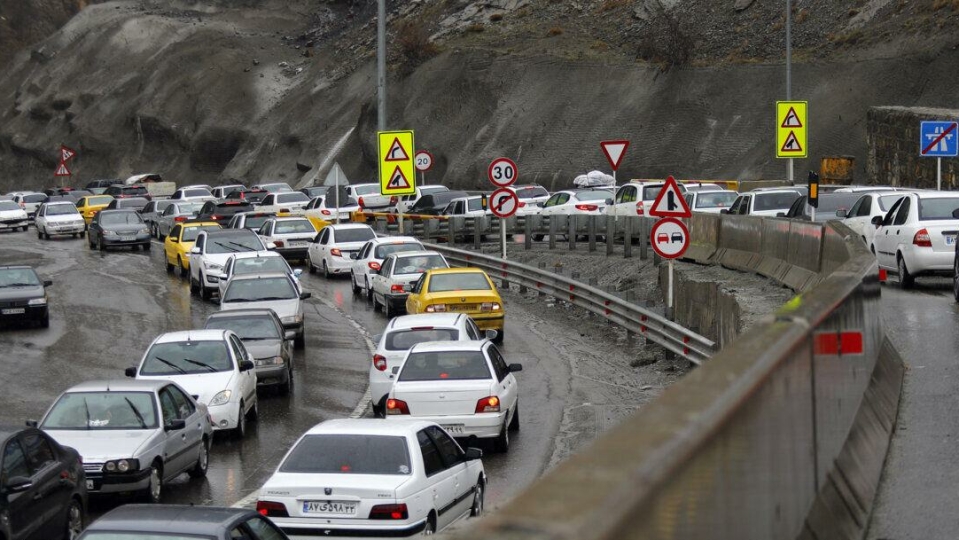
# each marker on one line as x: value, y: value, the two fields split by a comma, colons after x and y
x: 397, y: 170
x: 669, y: 236
x: 502, y: 172
x: 66, y: 154
x: 792, y: 123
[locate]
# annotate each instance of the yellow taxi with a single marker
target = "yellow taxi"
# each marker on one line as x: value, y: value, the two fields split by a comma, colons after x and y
x: 180, y: 241
x: 459, y: 290
x: 91, y: 204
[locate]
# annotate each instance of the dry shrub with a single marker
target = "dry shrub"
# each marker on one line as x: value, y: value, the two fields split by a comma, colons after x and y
x: 414, y: 42
x: 475, y: 28
x: 609, y: 5
x: 554, y: 31
x: 665, y: 42
x: 496, y: 17
x: 802, y: 15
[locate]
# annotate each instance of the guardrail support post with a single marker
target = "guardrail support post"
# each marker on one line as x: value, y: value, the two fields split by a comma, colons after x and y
x: 591, y: 232
x: 643, y: 235
x: 627, y: 238
x: 528, y: 233
x: 571, y: 226
x: 610, y: 234
x: 552, y: 231
x: 477, y: 233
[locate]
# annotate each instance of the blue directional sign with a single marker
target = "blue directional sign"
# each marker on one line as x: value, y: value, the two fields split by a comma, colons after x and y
x: 939, y: 139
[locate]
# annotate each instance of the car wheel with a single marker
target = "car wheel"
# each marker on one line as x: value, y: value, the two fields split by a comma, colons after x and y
x: 326, y: 270
x: 300, y: 340
x: 376, y: 305
x: 287, y: 387
x: 500, y: 334
x: 205, y: 293
x: 514, y: 423
x: 478, y: 500
x: 502, y: 441
x: 25, y: 227
x: 388, y: 309
x: 184, y: 273
x: 906, y: 280
x: 194, y: 286
x: 100, y: 245
x: 369, y: 290
x: 147, y: 246
x: 82, y: 234
x: 538, y: 237
x: 169, y: 267
x: 430, y: 528
x: 154, y: 491
x: 240, y: 430
x: 39, y: 234
x: 379, y: 410
x: 254, y: 412
x: 45, y: 321
x: 955, y: 279
x: 202, y: 461
x: 74, y: 525
x: 310, y: 266
x: 356, y: 288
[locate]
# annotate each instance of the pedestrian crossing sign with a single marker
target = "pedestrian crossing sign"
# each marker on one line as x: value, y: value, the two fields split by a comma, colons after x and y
x: 397, y: 170
x: 791, y: 127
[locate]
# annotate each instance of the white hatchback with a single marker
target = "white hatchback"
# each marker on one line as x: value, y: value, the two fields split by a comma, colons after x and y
x: 860, y: 216
x: 59, y: 218
x: 213, y: 366
x: 291, y: 236
x: 466, y: 387
x: 402, y: 333
x: 13, y: 216
x: 366, y: 477
x: 331, y: 250
x: 576, y: 202
x: 371, y: 256
x: 918, y: 235
x: 392, y: 282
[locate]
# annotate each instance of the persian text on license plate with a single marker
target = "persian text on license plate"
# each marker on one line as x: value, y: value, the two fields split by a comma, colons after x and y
x: 454, y: 429
x: 329, y: 507
x: 14, y: 311
x: 127, y: 238
x: 950, y: 239
x: 463, y: 307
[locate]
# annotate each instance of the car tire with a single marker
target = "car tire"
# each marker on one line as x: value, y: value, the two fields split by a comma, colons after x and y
x: 194, y: 286
x: 39, y: 235
x: 376, y: 304
x: 240, y: 430
x: 100, y: 245
x: 479, y: 495
x: 326, y: 270
x: 538, y: 237
x: 379, y: 410
x: 955, y: 278
x: 906, y: 280
x: 254, y: 412
x: 169, y: 267
x: 184, y: 273
x: 147, y: 246
x: 299, y: 341
x: 514, y: 423
x: 369, y: 290
x: 502, y: 440
x: 154, y: 491
x: 388, y: 309
x: 82, y: 234
x: 356, y: 288
x: 74, y: 520
x: 202, y: 461
x: 500, y: 334
x: 287, y: 387
x: 45, y: 321
x: 205, y: 293
x: 429, y: 529
x: 310, y: 266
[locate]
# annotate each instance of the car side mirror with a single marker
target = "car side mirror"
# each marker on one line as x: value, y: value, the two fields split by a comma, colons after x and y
x: 724, y: 211
x: 130, y: 372
x: 354, y: 255
x: 289, y: 335
x: 841, y: 213
x: 195, y: 251
x: 175, y: 425
x: 955, y: 213
x: 513, y: 368
x: 18, y: 484
x: 31, y: 423
x: 270, y: 246
x: 298, y: 272
x: 472, y: 454
x: 491, y: 334
x: 877, y: 220
x: 305, y: 295
x: 609, y: 201
x: 47, y: 283
x: 246, y: 365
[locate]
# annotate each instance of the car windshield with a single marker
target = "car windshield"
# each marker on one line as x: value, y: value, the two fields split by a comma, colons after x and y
x: 403, y: 340
x: 249, y: 327
x: 353, y: 235
x: 120, y: 218
x: 260, y: 265
x: 596, y: 195
x: 367, y: 190
x: 349, y: 454
x: 102, y: 411
x: 886, y: 201
x: 718, y: 199
x: 61, y: 210
x: 774, y: 201
x: 385, y: 250
x: 445, y: 366
x: 294, y: 227
x: 255, y: 222
x: 9, y: 205
x: 98, y: 201
x: 186, y: 358
x: 464, y: 281
x: 295, y: 196
x: 35, y: 198
x: 18, y: 277
x: 473, y: 205
x: 137, y: 203
x: 418, y: 264
x: 190, y: 207
x: 932, y: 209
x: 259, y: 290
x: 531, y: 192
x: 233, y: 244
x: 190, y: 233
x: 276, y: 188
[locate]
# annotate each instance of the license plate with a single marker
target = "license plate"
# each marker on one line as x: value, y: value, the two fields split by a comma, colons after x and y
x: 329, y: 507
x: 127, y: 238
x: 14, y: 311
x: 463, y: 307
x: 90, y: 484
x: 950, y: 240
x: 455, y: 429
x: 297, y: 244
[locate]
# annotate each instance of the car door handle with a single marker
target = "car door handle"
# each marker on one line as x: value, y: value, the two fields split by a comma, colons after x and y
x: 37, y: 496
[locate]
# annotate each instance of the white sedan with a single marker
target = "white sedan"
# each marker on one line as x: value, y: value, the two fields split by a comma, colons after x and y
x: 918, y: 235
x: 59, y: 218
x: 392, y: 282
x: 211, y: 250
x: 291, y: 235
x: 576, y: 202
x: 371, y: 256
x: 860, y: 216
x: 213, y: 366
x: 12, y: 216
x: 324, y: 208
x: 464, y: 386
x: 291, y: 202
x: 330, y: 251
x: 364, y: 477
x: 256, y: 262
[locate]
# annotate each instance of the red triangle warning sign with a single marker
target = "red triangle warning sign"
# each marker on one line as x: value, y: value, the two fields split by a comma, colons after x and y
x: 670, y: 201
x: 62, y: 170
x: 791, y: 120
x: 792, y: 144
x: 398, y: 180
x: 397, y: 152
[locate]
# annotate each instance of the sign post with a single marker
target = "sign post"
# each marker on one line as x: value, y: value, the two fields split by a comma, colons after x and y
x: 791, y: 132
x: 397, y: 172
x: 669, y: 237
x: 503, y: 202
x: 938, y: 139
x: 614, y: 150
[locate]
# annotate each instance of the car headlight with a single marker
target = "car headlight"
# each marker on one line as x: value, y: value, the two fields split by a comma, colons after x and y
x: 294, y: 319
x: 37, y: 301
x: 109, y: 233
x: 144, y: 231
x: 212, y: 265
x: 122, y: 465
x: 275, y: 361
x: 222, y: 398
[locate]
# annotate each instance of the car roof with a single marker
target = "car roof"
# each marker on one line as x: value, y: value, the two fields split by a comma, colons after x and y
x: 441, y: 346
x: 201, y: 223
x: 59, y: 203
x: 405, y: 322
x: 234, y: 313
x: 774, y: 191
x: 119, y: 211
x: 368, y: 426
x: 935, y: 194
x: 170, y: 519
x: 343, y: 226
x: 265, y: 275
x: 16, y: 266
x: 290, y: 218
x: 393, y: 240
x: 191, y: 335
x: 230, y: 232
x: 456, y: 270
x: 119, y: 385
x: 399, y: 254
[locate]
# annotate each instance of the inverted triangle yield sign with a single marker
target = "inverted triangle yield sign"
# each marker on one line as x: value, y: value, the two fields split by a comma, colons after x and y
x: 397, y: 152
x: 62, y: 170
x: 614, y: 150
x: 398, y: 180
x: 670, y: 201
x: 792, y: 119
x: 792, y: 144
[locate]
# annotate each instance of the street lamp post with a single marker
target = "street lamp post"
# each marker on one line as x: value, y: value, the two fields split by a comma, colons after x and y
x: 789, y: 162
x: 381, y: 65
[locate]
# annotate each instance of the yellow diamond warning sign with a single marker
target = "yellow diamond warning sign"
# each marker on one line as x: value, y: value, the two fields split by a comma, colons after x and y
x: 791, y: 126
x: 397, y: 170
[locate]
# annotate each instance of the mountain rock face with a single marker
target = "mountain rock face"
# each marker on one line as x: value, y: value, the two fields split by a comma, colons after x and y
x: 259, y: 90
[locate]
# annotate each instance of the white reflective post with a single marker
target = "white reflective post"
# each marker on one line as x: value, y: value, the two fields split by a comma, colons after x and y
x: 502, y: 236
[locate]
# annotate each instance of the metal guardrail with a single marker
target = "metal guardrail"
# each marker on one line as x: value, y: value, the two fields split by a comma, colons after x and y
x: 632, y: 317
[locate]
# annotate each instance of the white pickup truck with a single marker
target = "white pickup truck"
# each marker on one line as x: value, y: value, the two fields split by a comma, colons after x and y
x: 156, y: 187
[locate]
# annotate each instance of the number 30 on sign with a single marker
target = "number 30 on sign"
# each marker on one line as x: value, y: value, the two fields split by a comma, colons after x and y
x: 502, y: 172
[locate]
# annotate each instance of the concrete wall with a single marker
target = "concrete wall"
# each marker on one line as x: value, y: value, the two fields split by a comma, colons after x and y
x: 892, y: 140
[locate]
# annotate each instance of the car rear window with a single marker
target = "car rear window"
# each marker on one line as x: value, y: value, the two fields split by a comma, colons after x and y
x: 186, y: 358
x: 403, y: 340
x: 97, y: 201
x: 255, y: 222
x: 260, y: 265
x: 445, y: 366
x: 651, y: 192
x: 197, y: 193
x: 295, y: 196
x: 102, y: 410
x: 38, y: 197
x: 137, y: 190
x: 247, y: 327
x: 597, y: 195
x: 774, y: 201
x: 60, y: 209
x: 470, y: 281
x: 349, y: 454
x: 353, y: 235
x: 418, y: 264
x: 368, y: 190
x: 531, y: 192
x: 719, y: 199
x: 259, y: 290
x: 384, y: 250
x: 233, y: 244
x: 294, y: 227
x: 932, y: 209
x: 97, y: 535
x: 120, y: 218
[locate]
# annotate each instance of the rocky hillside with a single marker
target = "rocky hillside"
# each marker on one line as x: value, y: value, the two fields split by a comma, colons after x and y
x: 269, y: 89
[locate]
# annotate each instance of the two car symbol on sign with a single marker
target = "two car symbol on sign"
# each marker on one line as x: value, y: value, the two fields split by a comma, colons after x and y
x: 663, y: 238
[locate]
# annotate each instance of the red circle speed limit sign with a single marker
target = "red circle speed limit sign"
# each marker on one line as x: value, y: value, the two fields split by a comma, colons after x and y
x: 502, y: 172
x: 669, y: 238
x: 423, y: 161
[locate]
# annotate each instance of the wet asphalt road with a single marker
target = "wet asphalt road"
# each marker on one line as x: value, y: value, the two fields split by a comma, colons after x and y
x: 107, y: 308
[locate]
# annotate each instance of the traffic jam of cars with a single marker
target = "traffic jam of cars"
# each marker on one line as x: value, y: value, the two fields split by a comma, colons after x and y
x: 441, y: 388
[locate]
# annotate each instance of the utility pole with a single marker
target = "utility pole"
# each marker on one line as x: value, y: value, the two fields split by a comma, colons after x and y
x: 789, y: 94
x: 381, y: 65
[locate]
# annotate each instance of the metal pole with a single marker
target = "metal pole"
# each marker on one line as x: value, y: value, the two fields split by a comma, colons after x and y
x: 423, y: 177
x: 336, y: 189
x: 669, y: 292
x: 502, y: 236
x: 381, y: 64
x: 789, y: 93
x: 938, y: 174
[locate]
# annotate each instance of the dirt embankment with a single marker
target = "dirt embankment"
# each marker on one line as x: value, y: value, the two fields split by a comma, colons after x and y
x: 263, y: 89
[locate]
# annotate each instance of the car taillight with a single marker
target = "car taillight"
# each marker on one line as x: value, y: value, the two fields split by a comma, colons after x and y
x: 373, y: 265
x: 397, y: 406
x: 487, y: 404
x: 22, y: 205
x: 397, y: 288
x: 179, y: 219
x: 214, y: 217
x: 271, y: 509
x: 336, y: 252
x: 521, y: 204
x: 278, y: 243
x: 326, y: 212
x: 393, y: 200
x: 587, y: 207
x: 922, y: 239
x: 287, y: 210
x: 436, y: 308
x: 490, y: 306
x: 389, y: 511
x: 379, y: 362
x: 640, y: 211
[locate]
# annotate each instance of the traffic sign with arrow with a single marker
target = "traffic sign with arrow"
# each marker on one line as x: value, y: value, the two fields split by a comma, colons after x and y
x: 670, y: 202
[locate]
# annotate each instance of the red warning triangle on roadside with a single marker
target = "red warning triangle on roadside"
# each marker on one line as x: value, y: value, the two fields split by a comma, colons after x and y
x: 66, y: 153
x: 397, y: 152
x: 398, y: 180
x: 670, y: 202
x: 62, y: 170
x: 792, y: 144
x: 791, y: 120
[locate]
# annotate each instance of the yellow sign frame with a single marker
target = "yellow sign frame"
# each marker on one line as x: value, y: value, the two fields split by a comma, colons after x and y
x: 792, y: 125
x: 395, y: 155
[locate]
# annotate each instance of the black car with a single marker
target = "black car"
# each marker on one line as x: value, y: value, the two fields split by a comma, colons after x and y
x: 252, y: 196
x: 222, y: 211
x: 117, y: 228
x: 23, y: 296
x: 121, y: 192
x: 181, y: 522
x: 43, y: 490
x: 261, y: 331
x: 433, y: 204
